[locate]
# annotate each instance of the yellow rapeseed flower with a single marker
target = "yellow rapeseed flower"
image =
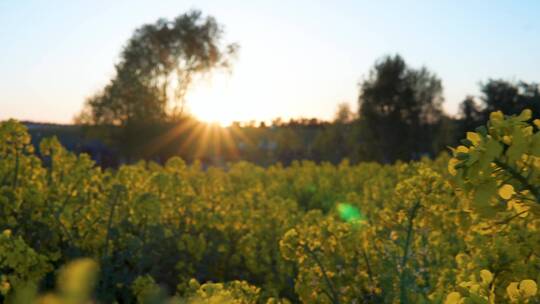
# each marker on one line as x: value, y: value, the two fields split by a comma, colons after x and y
x: 453, y: 298
x: 462, y: 149
x: 528, y: 288
x: 494, y: 116
x: 474, y: 138
x: 452, y: 166
x: 506, y: 191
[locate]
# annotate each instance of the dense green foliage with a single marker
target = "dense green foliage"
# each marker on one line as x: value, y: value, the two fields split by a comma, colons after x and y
x: 432, y: 231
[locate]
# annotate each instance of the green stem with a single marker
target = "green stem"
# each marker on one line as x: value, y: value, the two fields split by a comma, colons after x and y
x: 334, y: 298
x: 368, y: 265
x: 509, y: 219
x: 520, y: 178
x: 17, y: 165
x: 109, y: 224
x: 405, y: 258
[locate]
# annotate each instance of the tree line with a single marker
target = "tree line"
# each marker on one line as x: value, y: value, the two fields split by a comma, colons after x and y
x: 140, y: 112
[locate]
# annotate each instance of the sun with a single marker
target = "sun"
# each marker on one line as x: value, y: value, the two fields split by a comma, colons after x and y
x: 213, y: 110
x: 226, y: 98
x: 211, y: 101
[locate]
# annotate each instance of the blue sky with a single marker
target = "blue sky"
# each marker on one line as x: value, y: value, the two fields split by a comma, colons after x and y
x: 297, y: 58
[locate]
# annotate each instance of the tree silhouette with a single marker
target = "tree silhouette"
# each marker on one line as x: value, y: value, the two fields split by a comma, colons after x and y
x: 337, y: 140
x: 155, y: 70
x: 399, y: 109
x: 498, y: 95
x: 470, y: 115
x: 510, y: 97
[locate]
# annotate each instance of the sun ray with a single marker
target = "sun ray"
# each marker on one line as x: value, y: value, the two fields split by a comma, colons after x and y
x: 202, y: 145
x: 235, y: 131
x: 215, y: 137
x: 229, y: 144
x: 166, y: 138
x: 192, y: 136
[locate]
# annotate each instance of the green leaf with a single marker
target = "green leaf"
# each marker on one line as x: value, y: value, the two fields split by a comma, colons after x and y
x: 466, y: 142
x: 482, y: 198
x: 493, y: 149
x: 535, y: 144
x: 518, y: 147
x: 482, y: 130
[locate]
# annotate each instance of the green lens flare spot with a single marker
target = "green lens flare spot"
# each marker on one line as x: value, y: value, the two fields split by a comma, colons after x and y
x: 350, y: 213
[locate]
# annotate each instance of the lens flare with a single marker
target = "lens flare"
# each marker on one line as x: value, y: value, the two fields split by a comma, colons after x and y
x: 350, y: 213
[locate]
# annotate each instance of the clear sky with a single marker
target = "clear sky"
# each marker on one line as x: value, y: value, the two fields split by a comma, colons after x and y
x: 297, y: 58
